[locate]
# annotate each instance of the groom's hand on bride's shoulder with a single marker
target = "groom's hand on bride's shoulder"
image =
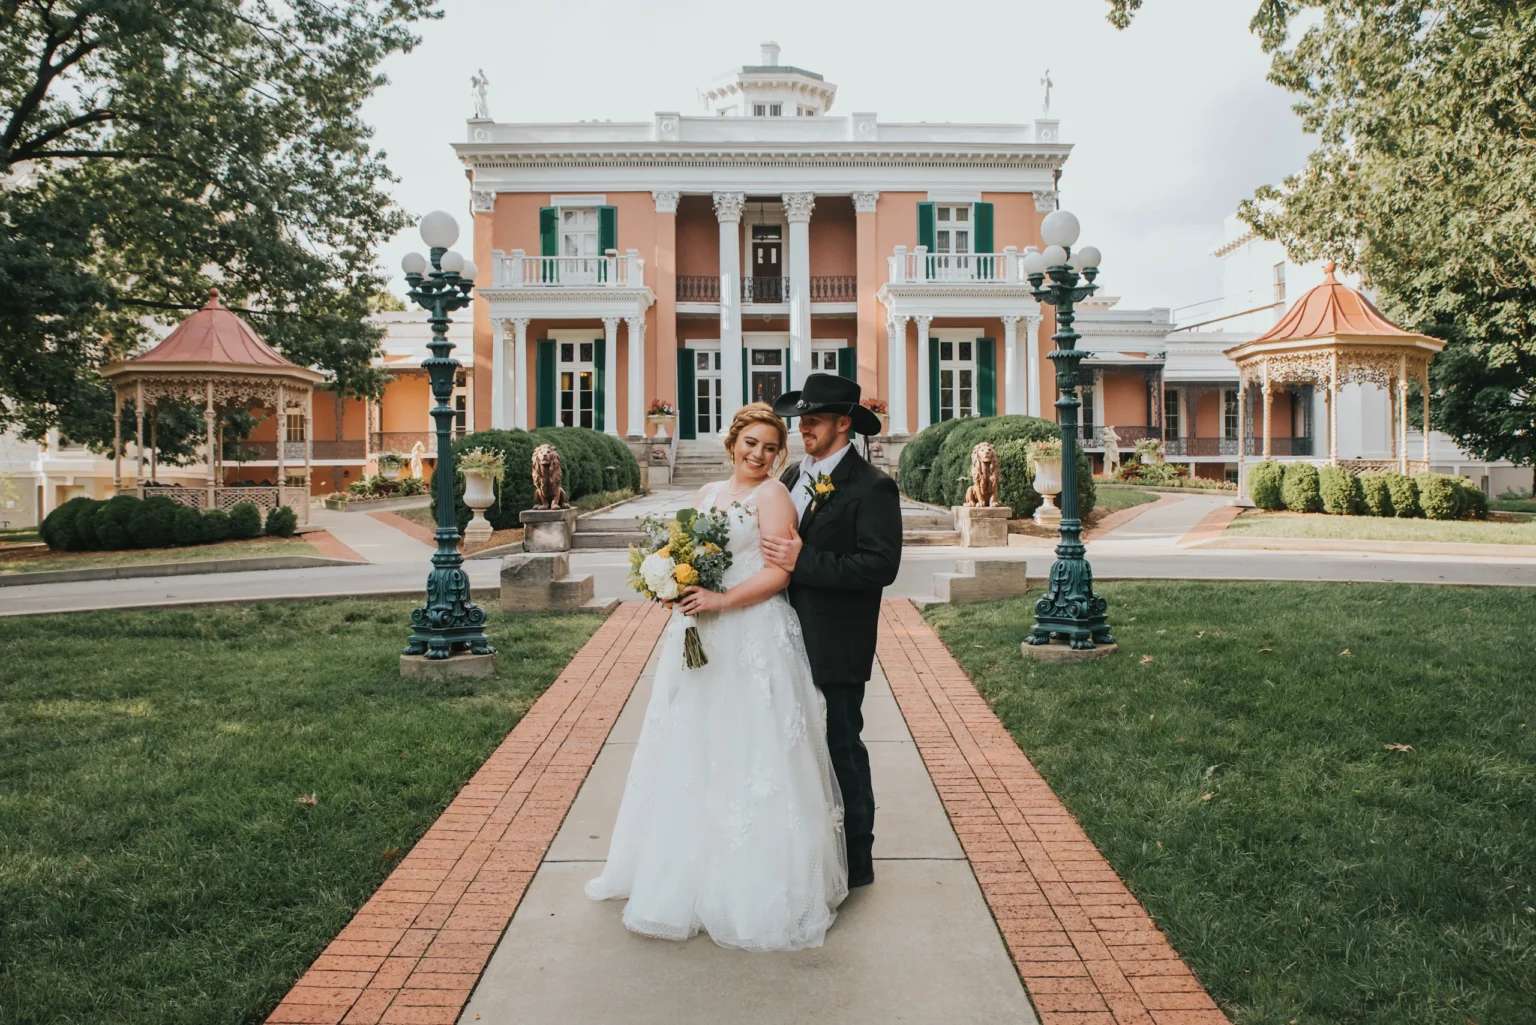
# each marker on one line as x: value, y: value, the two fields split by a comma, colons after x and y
x: 782, y: 552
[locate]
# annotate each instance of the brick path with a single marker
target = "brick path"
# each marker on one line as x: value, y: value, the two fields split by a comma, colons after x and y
x: 1214, y: 525
x: 326, y: 544
x: 426, y: 535
x: 412, y: 954
x: 1120, y: 517
x: 1087, y: 951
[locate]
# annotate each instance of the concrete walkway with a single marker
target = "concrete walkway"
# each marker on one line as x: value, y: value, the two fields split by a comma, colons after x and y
x: 371, y: 538
x: 918, y: 946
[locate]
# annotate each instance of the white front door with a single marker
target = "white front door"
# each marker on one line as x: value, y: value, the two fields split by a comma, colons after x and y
x: 578, y: 376
x: 706, y: 369
x: 952, y: 241
x: 957, y: 380
x: 578, y: 239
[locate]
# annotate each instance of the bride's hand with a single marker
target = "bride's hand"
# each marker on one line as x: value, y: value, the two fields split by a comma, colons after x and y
x: 698, y: 599
x: 783, y: 552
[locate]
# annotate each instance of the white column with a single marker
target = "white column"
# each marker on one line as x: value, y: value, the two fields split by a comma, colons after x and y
x: 797, y: 210
x: 610, y: 379
x: 501, y: 386
x: 518, y: 373
x: 1013, y: 402
x: 637, y: 403
x: 1036, y: 387
x: 282, y: 441
x: 924, y: 406
x: 896, y: 375
x: 728, y: 212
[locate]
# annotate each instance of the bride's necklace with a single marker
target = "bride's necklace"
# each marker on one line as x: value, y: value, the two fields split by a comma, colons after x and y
x: 738, y: 492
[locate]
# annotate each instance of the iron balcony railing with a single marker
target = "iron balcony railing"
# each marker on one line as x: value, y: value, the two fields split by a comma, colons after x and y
x: 1190, y: 447
x: 698, y: 288
x: 825, y: 288
x: 765, y: 290
x: 1129, y: 435
x: 835, y: 288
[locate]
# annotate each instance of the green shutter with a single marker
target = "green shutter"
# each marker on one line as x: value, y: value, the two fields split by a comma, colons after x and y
x: 544, y: 384
x: 983, y: 228
x: 986, y: 375
x: 599, y: 382
x: 847, y: 364
x: 933, y: 381
x: 607, y: 228
x: 549, y: 231
x: 925, y: 229
x: 687, y: 411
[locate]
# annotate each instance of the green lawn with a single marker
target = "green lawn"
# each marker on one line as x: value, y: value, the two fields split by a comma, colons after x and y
x: 1114, y: 499
x: 1513, y: 505
x: 156, y: 861
x: 17, y: 535
x: 1254, y: 523
x: 1232, y: 761
x: 35, y: 560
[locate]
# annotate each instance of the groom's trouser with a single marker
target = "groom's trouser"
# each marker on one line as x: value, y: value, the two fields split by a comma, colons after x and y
x: 850, y: 761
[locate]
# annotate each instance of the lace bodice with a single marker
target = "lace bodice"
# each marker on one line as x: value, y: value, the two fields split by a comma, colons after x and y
x: 745, y: 544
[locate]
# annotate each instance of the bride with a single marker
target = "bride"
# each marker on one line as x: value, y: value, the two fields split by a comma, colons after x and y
x: 731, y: 819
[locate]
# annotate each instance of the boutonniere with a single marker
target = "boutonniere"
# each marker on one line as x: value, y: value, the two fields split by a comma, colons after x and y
x: 820, y: 489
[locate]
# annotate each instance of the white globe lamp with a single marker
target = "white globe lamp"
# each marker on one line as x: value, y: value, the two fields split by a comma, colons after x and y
x: 451, y: 262
x: 414, y: 263
x: 1033, y: 263
x: 469, y: 271
x: 1054, y: 256
x: 1086, y: 258
x: 1060, y: 228
x: 439, y: 230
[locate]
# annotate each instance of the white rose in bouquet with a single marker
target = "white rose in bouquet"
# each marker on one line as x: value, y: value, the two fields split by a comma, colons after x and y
x: 657, y: 569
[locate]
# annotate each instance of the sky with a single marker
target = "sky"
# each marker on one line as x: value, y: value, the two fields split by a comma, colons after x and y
x: 1172, y: 120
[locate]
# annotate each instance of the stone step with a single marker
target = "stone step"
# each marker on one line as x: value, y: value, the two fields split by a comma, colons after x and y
x: 590, y: 524
x: 926, y: 521
x: 607, y: 539
x: 918, y: 538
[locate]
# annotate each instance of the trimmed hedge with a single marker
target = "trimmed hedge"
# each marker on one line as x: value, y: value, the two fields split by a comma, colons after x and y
x: 1299, y: 488
x: 935, y: 466
x: 153, y: 523
x: 58, y: 528
x: 585, y: 456
x: 1375, y: 495
x: 282, y: 522
x: 1474, y: 502
x: 216, y: 526
x: 1405, y: 496
x: 1265, y: 481
x: 1342, y: 494
x: 1016, y: 471
x: 1439, y: 497
x: 112, y: 530
x: 187, y: 528
x: 244, y: 521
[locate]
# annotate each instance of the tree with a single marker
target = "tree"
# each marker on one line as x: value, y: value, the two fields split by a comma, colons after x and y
x: 1424, y: 180
x: 152, y: 148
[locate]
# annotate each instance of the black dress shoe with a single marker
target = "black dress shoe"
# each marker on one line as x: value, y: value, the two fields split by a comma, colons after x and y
x: 862, y: 879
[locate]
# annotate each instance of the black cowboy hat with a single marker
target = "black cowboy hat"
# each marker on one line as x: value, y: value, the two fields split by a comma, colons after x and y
x: 828, y: 393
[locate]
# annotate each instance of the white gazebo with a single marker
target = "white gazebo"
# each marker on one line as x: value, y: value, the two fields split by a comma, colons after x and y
x: 1331, y: 336
x: 214, y: 360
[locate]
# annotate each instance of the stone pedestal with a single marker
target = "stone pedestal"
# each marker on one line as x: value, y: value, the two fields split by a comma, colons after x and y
x: 1048, y: 515
x: 542, y: 583
x: 447, y: 670
x: 982, y: 527
x: 548, y: 530
x: 1061, y: 651
x: 977, y: 580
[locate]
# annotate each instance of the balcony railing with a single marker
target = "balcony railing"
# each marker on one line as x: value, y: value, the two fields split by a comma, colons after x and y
x: 1129, y: 435
x: 293, y: 451
x: 835, y: 288
x: 765, y: 290
x: 698, y: 288
x: 1195, y: 447
x: 614, y: 270
x: 922, y: 267
x: 825, y: 288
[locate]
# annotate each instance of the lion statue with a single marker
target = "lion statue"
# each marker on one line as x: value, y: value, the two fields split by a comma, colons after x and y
x: 983, y: 489
x: 547, y: 492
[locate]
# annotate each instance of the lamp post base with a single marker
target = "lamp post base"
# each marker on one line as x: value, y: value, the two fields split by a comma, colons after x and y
x: 462, y: 666
x: 1061, y: 651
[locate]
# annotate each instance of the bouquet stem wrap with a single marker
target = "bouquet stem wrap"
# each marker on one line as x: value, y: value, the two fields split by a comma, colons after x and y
x: 693, y: 648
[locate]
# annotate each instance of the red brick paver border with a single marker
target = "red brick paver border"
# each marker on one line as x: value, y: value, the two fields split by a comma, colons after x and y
x: 426, y: 535
x: 326, y: 544
x: 1213, y: 525
x: 414, y: 952
x: 1087, y: 951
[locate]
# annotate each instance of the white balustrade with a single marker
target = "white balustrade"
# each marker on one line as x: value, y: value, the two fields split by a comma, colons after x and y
x: 614, y: 270
x: 919, y: 266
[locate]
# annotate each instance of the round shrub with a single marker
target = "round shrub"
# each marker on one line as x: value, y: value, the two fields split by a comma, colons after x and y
x: 282, y: 522
x: 1299, y: 488
x: 153, y: 523
x: 1474, y: 503
x: 1405, y: 496
x: 187, y: 527
x: 1341, y: 491
x: 58, y: 528
x: 1264, y: 485
x: 112, y: 530
x: 1439, y: 497
x: 215, y: 526
x: 85, y: 526
x: 244, y: 521
x: 915, y: 466
x: 1016, y: 471
x: 1375, y: 495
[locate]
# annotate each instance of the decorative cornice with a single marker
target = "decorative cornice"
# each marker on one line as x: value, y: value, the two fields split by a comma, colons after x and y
x: 666, y: 201
x: 1046, y: 200
x: 798, y: 206
x: 482, y: 201
x: 864, y: 202
x: 493, y: 157
x: 728, y: 206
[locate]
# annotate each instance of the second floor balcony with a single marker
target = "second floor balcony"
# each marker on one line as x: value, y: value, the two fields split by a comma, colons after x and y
x: 770, y: 291
x: 920, y: 267
x: 613, y: 270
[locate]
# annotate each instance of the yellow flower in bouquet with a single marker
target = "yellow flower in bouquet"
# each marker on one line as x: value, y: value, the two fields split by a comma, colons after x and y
x: 685, y: 575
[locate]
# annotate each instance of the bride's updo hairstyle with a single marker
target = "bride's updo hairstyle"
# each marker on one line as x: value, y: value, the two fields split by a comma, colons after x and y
x: 751, y: 415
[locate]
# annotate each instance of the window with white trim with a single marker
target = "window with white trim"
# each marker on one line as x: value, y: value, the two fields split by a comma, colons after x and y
x: 707, y: 395
x: 579, y: 238
x: 806, y: 112
x: 1172, y: 421
x: 1277, y: 278
x: 1229, y: 420
x: 767, y: 110
x: 824, y: 361
x: 295, y: 423
x: 957, y: 380
x: 952, y: 237
x: 577, y: 373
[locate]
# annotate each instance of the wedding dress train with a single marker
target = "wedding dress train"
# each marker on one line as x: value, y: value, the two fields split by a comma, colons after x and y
x: 731, y: 819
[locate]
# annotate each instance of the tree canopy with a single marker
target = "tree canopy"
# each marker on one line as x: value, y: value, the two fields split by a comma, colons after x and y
x: 152, y: 148
x: 1424, y: 181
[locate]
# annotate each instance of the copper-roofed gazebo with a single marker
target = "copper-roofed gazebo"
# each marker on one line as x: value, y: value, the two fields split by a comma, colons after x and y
x: 1333, y: 335
x: 214, y: 360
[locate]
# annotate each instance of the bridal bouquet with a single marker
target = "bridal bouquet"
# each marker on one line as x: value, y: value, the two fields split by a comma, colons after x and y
x: 679, y: 553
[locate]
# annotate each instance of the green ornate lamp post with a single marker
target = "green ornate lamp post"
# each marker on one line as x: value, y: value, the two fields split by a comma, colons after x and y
x: 448, y: 622
x: 1069, y: 610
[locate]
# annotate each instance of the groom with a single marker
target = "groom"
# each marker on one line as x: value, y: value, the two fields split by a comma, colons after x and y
x: 847, y: 551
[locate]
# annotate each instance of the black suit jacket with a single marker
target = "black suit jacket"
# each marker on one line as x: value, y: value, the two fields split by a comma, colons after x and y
x: 851, y: 552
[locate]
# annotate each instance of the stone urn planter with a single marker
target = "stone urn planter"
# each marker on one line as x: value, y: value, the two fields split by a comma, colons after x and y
x: 663, y: 424
x: 479, y: 496
x: 1048, y: 484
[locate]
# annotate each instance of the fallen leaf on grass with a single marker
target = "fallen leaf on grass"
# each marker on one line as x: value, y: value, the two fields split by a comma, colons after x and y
x: 1146, y: 659
x: 1199, y: 633
x: 1206, y: 795
x: 309, y: 799
x: 1346, y: 653
x: 1398, y: 747
x: 390, y: 854
x: 1265, y: 650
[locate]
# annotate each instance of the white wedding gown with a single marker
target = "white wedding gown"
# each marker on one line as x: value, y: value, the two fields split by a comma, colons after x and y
x: 732, y: 820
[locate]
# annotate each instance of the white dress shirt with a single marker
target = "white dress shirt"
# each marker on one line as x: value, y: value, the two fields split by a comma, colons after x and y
x: 810, y: 469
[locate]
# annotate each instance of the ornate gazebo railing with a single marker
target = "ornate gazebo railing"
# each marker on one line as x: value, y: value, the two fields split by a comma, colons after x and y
x: 265, y: 498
